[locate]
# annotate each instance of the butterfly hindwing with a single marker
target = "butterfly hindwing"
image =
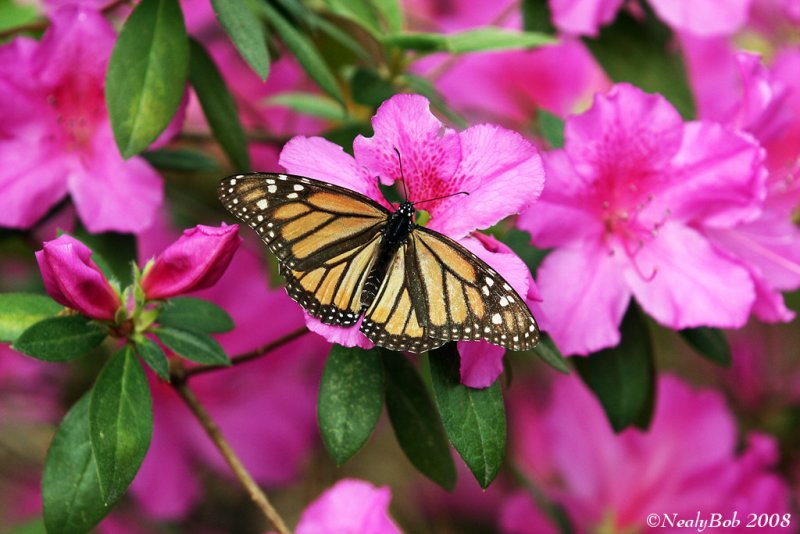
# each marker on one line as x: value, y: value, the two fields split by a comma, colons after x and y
x: 464, y: 299
x: 395, y: 319
x: 468, y: 300
x: 325, y: 237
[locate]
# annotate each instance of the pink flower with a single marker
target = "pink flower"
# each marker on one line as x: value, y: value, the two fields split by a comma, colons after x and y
x: 689, y: 460
x: 195, y: 261
x: 736, y: 89
x: 280, y: 388
x: 499, y: 168
x: 74, y: 280
x: 349, y: 507
x: 55, y: 134
x: 624, y: 200
x: 701, y: 17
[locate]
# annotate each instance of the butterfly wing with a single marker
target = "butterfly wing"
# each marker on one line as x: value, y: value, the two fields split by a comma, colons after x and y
x: 326, y: 237
x: 441, y: 292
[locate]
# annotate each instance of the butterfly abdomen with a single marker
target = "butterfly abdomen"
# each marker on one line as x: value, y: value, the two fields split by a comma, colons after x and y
x: 394, y: 235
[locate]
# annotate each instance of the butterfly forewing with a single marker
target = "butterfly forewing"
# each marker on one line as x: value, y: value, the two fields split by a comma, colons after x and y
x: 326, y: 237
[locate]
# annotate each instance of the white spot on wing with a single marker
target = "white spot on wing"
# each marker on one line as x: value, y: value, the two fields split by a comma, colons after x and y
x: 262, y: 204
x: 292, y: 195
x: 496, y: 319
x: 271, y: 189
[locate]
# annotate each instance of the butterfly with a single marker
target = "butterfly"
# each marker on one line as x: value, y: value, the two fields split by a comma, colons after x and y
x: 343, y: 255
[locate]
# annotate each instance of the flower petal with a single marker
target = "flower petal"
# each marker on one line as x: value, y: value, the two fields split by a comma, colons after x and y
x: 430, y: 153
x: 583, y: 17
x: 722, y: 178
x: 692, y: 284
x: 320, y: 159
x: 349, y: 506
x: 195, y: 261
x: 481, y: 363
x: 583, y: 297
x: 703, y: 17
x: 30, y: 185
x: 563, y: 214
x: 74, y: 280
x: 345, y: 336
x: 494, y: 163
x: 113, y: 194
x: 625, y: 133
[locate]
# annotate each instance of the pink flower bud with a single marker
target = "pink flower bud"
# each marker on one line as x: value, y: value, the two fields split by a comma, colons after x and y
x: 74, y: 280
x: 195, y: 261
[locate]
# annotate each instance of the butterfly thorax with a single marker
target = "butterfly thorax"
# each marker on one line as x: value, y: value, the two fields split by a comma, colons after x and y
x: 393, y: 235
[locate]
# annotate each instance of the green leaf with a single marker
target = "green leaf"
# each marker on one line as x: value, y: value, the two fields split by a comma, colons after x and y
x: 246, y: 32
x: 391, y: 13
x: 536, y: 16
x: 361, y: 11
x: 113, y: 253
x: 350, y: 400
x: 120, y: 422
x: 548, y: 352
x: 149, y: 351
x: 59, y: 339
x: 180, y: 159
x: 710, y: 343
x: 305, y: 52
x: 623, y: 378
x: 475, y: 419
x: 15, y: 14
x: 196, y: 346
x: 146, y: 74
x: 478, y: 40
x: 492, y: 38
x: 416, y: 424
x: 369, y: 88
x: 33, y: 526
x: 195, y: 314
x: 218, y: 106
x: 18, y: 311
x: 552, y: 127
x: 641, y: 52
x: 308, y: 104
x: 71, y: 496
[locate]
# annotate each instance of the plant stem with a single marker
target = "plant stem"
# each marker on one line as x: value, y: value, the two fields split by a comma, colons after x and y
x: 248, y: 356
x: 213, y: 431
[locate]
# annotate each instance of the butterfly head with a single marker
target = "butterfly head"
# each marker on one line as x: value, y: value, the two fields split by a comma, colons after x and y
x: 406, y: 210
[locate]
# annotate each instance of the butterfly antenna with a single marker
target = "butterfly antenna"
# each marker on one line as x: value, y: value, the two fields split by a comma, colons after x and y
x: 440, y: 198
x: 402, y: 176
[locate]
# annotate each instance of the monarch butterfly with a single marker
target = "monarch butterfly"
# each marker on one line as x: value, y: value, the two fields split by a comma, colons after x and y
x: 343, y: 255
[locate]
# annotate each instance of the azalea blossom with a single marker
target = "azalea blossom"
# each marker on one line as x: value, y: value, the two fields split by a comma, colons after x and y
x: 55, y: 133
x: 737, y: 89
x: 700, y: 17
x: 506, y: 87
x: 349, y: 507
x: 622, y: 207
x: 499, y: 169
x: 73, y: 279
x: 195, y: 261
x: 688, y: 460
